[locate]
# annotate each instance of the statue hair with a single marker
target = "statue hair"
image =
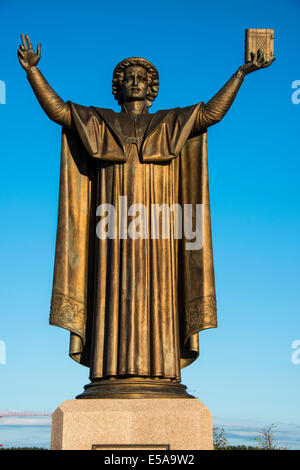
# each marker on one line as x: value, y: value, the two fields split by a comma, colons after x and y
x: 118, y: 77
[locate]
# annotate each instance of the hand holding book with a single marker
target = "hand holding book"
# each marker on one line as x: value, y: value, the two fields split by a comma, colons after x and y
x: 257, y: 62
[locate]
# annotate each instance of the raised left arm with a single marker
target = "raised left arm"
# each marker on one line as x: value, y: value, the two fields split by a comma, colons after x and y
x: 215, y: 109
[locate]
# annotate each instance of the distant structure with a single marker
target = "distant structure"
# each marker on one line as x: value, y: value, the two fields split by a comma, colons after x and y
x: 5, y: 414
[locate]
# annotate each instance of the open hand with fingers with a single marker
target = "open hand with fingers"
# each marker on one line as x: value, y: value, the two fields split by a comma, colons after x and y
x: 27, y: 57
x: 258, y: 61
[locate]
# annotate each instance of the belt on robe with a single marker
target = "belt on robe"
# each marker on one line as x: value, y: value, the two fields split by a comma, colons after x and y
x: 134, y: 140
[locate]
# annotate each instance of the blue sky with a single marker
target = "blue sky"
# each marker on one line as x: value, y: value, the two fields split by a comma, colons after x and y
x: 245, y: 369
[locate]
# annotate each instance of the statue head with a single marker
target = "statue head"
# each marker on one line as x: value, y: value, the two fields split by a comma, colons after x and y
x: 135, y: 79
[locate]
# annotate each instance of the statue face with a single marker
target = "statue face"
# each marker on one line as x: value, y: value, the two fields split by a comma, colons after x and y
x: 135, y: 83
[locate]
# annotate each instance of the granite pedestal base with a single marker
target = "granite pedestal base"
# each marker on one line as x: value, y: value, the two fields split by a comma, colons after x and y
x: 167, y: 423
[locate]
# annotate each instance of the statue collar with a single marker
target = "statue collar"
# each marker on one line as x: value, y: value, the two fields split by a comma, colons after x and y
x: 112, y: 120
x: 126, y: 110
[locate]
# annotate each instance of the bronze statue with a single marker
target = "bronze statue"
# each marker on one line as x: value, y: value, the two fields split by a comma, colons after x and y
x: 134, y: 305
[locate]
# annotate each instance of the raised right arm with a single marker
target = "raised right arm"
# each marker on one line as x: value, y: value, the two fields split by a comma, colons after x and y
x: 55, y: 108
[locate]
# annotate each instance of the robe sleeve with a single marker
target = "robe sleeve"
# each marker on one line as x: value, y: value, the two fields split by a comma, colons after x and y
x: 55, y: 108
x: 95, y: 134
x: 214, y: 110
x: 88, y: 126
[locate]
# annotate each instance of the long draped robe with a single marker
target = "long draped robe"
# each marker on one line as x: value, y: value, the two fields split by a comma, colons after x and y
x: 135, y: 286
x: 134, y: 307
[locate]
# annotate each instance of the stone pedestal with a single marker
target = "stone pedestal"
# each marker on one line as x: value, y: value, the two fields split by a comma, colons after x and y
x: 115, y: 424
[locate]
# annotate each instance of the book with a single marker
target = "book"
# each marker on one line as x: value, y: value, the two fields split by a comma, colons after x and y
x: 259, y: 39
